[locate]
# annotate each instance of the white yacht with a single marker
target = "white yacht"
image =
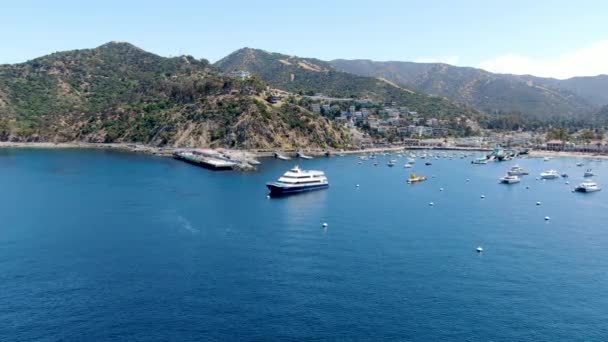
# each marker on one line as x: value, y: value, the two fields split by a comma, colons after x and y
x: 517, y: 171
x: 587, y: 187
x: 510, y: 179
x: 589, y: 173
x: 551, y: 174
x: 408, y: 166
x: 411, y: 160
x: 298, y: 180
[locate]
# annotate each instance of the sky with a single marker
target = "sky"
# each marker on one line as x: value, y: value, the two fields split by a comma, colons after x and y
x: 555, y: 38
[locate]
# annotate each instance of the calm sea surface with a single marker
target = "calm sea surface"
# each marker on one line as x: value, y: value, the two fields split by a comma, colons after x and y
x: 102, y: 246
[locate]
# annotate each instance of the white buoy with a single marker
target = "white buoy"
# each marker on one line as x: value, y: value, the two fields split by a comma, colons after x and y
x: 537, y: 203
x: 479, y: 249
x: 440, y: 189
x: 547, y: 218
x: 357, y: 185
x: 483, y: 196
x: 267, y: 196
x: 324, y: 224
x: 431, y: 204
x: 567, y: 182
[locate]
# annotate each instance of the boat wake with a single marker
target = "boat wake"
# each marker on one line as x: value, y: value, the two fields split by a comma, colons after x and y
x: 186, y: 225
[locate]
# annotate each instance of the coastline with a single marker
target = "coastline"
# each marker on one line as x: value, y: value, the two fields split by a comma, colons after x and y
x: 168, y: 151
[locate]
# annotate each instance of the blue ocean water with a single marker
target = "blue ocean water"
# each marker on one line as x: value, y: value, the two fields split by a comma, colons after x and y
x: 105, y: 246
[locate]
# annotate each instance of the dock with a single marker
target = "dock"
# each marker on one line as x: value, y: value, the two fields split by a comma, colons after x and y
x: 205, y: 161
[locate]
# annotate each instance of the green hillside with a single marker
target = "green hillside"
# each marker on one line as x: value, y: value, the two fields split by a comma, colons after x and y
x: 120, y: 93
x: 309, y: 76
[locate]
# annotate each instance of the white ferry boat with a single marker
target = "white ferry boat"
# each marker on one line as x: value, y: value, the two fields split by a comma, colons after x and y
x: 551, y: 174
x: 298, y: 180
x: 587, y: 187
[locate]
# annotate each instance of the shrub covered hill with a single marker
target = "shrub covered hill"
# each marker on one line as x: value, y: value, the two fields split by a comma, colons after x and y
x: 309, y: 76
x: 536, y: 98
x: 120, y: 93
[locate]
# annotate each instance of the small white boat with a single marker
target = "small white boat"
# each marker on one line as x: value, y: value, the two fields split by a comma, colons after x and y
x: 411, y: 160
x: 589, y: 173
x: 517, y: 171
x: 546, y: 158
x: 587, y: 187
x: 303, y: 156
x: 391, y: 163
x: 579, y: 164
x: 281, y: 156
x: 408, y: 166
x: 509, y: 179
x: 550, y: 174
x: 480, y: 161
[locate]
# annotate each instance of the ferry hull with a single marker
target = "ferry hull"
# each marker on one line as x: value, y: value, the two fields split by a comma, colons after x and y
x: 278, y: 190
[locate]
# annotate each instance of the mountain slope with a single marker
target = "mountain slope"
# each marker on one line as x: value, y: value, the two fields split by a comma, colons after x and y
x: 483, y: 90
x: 310, y: 76
x: 594, y: 89
x: 120, y: 93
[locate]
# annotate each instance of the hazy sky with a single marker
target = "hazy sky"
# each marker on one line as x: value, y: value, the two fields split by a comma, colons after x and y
x: 548, y: 38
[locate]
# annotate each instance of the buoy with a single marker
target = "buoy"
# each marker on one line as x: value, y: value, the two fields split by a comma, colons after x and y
x: 537, y: 203
x: 324, y: 224
x: 567, y: 183
x: 357, y: 185
x: 267, y: 196
x: 468, y: 179
x: 431, y: 204
x: 547, y: 218
x: 483, y: 196
x: 479, y: 249
x: 527, y: 187
x: 440, y: 189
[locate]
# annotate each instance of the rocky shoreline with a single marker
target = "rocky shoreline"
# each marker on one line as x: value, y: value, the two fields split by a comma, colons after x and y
x: 248, y: 154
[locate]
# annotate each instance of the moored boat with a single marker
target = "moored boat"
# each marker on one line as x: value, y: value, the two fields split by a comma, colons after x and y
x: 587, y: 187
x: 517, y: 171
x: 510, y: 179
x: 550, y: 174
x: 298, y: 180
x: 480, y: 161
x: 281, y: 156
x: 588, y: 173
x: 303, y: 156
x: 415, y: 179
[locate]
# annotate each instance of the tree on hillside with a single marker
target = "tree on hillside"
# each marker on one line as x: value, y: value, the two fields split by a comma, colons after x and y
x: 558, y: 134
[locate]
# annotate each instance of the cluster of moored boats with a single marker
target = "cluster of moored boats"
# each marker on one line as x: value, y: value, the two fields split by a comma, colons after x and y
x: 513, y: 177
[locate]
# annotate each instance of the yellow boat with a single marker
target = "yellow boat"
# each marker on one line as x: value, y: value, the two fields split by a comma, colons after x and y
x: 415, y: 179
